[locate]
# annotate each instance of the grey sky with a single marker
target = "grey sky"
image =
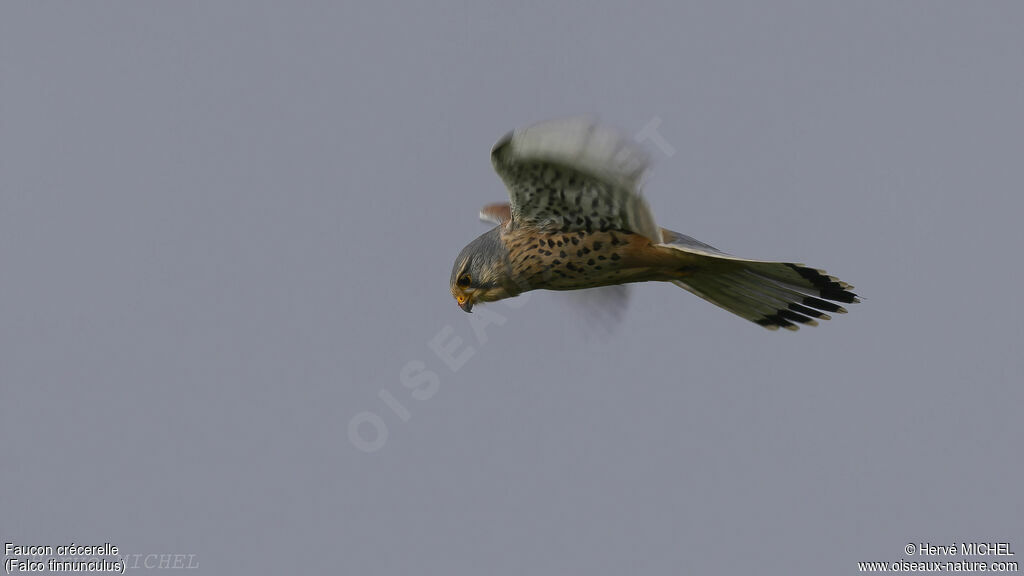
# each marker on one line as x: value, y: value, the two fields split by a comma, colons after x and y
x: 226, y: 228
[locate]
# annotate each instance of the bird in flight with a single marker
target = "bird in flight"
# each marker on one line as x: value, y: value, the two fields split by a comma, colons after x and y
x: 576, y: 219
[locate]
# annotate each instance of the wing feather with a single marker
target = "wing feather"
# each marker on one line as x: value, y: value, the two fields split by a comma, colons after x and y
x: 571, y: 175
x: 497, y: 213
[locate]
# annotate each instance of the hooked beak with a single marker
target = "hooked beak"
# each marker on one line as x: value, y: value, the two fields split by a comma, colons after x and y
x: 465, y: 302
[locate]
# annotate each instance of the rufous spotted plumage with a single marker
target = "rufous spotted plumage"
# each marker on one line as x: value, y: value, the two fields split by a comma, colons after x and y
x: 576, y: 219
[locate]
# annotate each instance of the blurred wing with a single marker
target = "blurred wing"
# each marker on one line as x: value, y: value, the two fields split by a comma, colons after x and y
x: 497, y: 213
x: 572, y: 175
x: 772, y: 294
x: 598, y: 310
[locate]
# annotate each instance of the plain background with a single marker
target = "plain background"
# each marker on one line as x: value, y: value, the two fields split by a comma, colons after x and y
x: 227, y: 227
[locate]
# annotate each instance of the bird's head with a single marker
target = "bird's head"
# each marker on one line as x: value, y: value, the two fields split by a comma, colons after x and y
x: 481, y: 272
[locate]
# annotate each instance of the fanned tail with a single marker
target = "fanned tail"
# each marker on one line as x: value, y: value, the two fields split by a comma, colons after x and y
x: 772, y: 294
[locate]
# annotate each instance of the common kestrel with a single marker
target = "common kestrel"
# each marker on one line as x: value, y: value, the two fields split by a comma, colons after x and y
x: 576, y: 219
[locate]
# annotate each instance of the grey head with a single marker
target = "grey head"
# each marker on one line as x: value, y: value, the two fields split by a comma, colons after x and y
x: 481, y: 273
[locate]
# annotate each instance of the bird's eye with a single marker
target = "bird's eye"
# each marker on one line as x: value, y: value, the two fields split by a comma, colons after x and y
x: 463, y: 281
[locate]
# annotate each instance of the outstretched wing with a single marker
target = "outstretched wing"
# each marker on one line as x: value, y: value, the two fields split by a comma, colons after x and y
x: 772, y: 294
x: 572, y: 175
x: 497, y: 213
